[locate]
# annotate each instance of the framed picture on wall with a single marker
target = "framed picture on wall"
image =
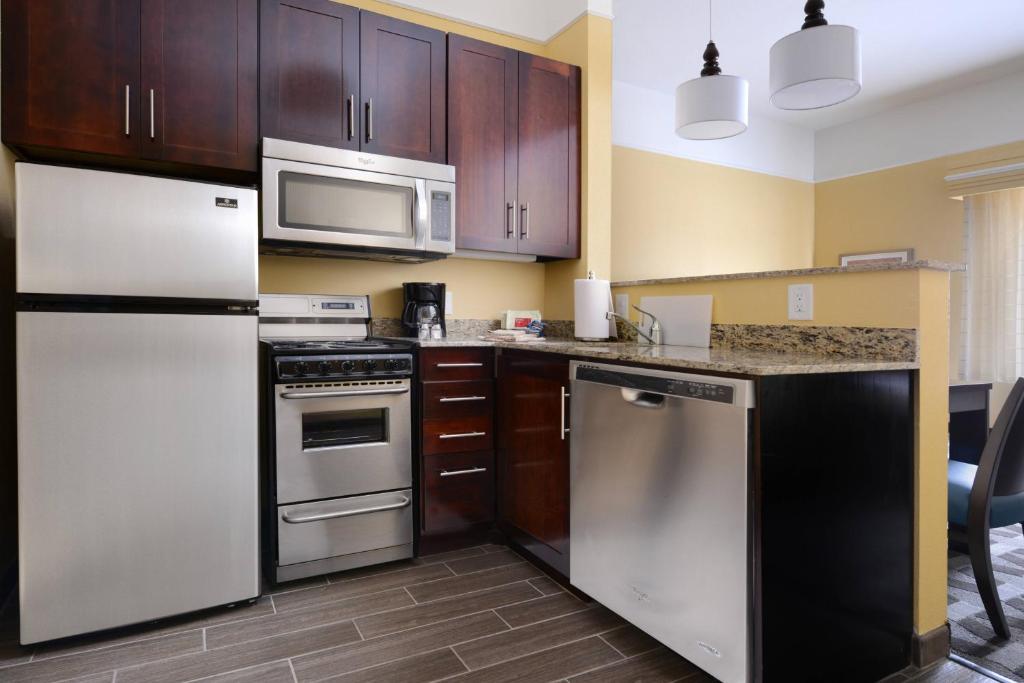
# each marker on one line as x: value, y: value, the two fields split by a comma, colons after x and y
x: 877, y: 258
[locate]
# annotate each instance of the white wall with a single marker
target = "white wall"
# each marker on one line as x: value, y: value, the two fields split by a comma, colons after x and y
x: 645, y: 119
x: 980, y: 116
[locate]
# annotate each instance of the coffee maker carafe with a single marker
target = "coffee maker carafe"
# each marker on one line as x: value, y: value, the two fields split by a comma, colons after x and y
x: 424, y: 303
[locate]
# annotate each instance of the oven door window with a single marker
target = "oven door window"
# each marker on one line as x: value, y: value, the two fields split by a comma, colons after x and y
x: 310, y: 202
x: 344, y: 428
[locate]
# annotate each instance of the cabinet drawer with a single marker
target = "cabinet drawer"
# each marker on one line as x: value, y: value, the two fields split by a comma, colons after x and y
x: 458, y: 434
x: 458, y: 490
x: 458, y: 399
x: 440, y: 365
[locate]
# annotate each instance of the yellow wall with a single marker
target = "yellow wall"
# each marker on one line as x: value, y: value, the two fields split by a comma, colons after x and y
x: 895, y: 208
x: 674, y: 217
x: 588, y: 43
x: 482, y: 289
x: 865, y: 299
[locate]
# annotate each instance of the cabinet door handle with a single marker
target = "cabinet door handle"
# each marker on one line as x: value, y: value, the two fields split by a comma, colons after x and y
x: 460, y: 399
x: 351, y: 116
x: 565, y: 430
x: 369, y: 120
x: 458, y: 365
x: 455, y: 473
x: 510, y: 220
x: 462, y: 435
x: 524, y: 223
x: 152, y: 116
x: 127, y: 110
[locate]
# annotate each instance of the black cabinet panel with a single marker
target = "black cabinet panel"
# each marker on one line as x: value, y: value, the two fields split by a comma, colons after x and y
x: 835, y: 539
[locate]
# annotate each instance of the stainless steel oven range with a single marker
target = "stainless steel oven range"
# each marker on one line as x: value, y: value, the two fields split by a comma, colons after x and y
x: 337, y: 438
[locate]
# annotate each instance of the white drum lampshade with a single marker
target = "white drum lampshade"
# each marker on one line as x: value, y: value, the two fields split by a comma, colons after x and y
x: 711, y: 107
x: 816, y: 67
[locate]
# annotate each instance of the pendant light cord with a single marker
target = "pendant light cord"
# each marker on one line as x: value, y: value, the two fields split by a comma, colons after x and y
x: 710, y: 36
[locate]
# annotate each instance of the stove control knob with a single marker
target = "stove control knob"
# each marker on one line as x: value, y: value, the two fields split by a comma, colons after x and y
x: 325, y: 367
x: 347, y: 366
x: 370, y: 365
x: 300, y: 368
x: 391, y: 364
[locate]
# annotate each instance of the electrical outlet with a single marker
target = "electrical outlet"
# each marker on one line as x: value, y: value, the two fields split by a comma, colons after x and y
x: 801, y: 302
x: 449, y: 307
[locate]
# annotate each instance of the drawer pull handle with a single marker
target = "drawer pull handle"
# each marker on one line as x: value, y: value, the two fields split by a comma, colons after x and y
x: 305, y: 519
x: 459, y: 365
x: 455, y: 473
x: 463, y: 435
x: 460, y: 399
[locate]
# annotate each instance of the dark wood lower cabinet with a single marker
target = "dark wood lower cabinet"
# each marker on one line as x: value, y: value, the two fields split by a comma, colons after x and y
x: 456, y: 447
x: 533, y: 454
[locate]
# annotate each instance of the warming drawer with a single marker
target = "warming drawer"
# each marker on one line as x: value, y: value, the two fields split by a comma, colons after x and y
x: 343, y: 526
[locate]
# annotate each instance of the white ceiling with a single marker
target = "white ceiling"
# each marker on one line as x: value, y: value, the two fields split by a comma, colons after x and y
x: 912, y: 49
x: 536, y: 20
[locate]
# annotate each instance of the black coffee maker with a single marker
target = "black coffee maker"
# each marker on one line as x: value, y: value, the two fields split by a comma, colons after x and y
x: 424, y: 303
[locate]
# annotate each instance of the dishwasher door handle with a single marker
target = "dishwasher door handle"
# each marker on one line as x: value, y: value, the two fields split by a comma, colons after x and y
x: 643, y: 399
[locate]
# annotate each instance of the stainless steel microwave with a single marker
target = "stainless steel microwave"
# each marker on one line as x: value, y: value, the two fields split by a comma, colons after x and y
x: 335, y: 202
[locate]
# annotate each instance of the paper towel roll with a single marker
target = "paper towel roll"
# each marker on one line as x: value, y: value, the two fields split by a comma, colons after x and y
x: 593, y: 301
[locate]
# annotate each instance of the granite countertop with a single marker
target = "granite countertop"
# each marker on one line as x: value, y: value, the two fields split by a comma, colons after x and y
x: 924, y: 264
x: 739, y: 361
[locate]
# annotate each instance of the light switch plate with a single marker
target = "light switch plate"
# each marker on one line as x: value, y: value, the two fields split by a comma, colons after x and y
x: 449, y: 306
x: 801, y: 302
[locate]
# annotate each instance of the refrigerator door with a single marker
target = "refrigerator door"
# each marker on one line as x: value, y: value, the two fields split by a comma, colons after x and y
x: 137, y: 467
x: 86, y: 232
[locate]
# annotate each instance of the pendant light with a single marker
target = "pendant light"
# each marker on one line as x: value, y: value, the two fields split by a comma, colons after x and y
x: 713, y: 106
x: 817, y: 66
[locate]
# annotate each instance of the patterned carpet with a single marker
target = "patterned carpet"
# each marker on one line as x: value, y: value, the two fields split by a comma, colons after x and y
x: 973, y: 637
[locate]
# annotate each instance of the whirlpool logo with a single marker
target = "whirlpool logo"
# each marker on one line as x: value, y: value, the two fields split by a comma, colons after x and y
x: 640, y: 595
x: 710, y: 649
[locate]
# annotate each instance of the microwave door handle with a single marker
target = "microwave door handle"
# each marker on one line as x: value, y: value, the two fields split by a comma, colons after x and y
x: 420, y: 222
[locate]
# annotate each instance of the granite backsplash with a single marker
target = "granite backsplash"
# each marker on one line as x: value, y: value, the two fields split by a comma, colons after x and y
x: 881, y: 343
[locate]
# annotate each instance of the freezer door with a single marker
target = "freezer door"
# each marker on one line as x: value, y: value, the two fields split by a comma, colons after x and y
x: 137, y: 467
x: 89, y: 232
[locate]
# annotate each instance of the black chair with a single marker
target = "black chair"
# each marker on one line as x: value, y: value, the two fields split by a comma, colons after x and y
x: 990, y: 495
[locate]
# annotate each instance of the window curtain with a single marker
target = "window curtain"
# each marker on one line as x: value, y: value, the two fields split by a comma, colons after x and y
x: 994, y: 315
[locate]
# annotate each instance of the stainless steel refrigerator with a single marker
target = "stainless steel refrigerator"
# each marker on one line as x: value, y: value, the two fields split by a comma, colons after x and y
x: 137, y: 398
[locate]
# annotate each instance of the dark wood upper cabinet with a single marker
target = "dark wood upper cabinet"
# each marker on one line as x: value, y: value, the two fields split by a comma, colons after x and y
x: 533, y: 454
x: 514, y: 139
x: 199, y: 82
x: 309, y: 72
x: 549, y: 157
x: 483, y: 113
x: 150, y: 81
x: 402, y: 84
x: 71, y: 75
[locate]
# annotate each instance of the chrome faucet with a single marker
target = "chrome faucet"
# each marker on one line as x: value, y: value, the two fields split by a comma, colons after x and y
x: 653, y: 334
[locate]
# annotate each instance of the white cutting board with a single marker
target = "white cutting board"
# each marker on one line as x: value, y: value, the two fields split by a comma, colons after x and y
x: 685, y: 320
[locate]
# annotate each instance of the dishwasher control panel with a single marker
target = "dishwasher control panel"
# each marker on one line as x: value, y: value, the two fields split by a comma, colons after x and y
x: 670, y: 386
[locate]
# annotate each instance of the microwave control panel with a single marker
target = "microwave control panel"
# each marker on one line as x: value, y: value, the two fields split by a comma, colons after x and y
x: 440, y: 216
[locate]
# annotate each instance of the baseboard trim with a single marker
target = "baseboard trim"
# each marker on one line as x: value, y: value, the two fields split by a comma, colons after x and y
x: 930, y: 647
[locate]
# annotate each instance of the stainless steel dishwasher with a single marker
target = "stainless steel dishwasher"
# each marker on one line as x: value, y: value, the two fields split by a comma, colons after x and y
x: 659, y: 525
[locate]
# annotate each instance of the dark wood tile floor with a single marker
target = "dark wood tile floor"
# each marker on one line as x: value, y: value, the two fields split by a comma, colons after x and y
x: 480, y: 614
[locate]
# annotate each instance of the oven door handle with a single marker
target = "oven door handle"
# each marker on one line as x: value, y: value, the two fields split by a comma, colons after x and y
x: 305, y: 519
x: 339, y: 394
